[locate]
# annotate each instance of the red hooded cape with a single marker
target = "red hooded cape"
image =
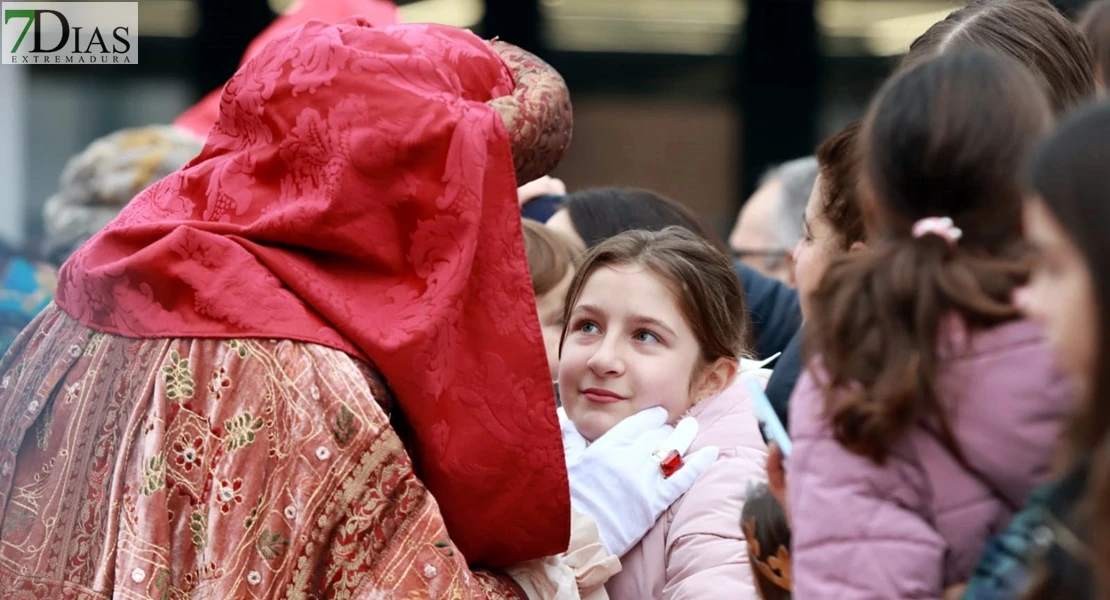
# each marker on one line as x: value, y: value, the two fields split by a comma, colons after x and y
x: 357, y: 191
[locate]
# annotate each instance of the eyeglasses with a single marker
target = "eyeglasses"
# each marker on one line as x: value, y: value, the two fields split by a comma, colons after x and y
x: 772, y: 259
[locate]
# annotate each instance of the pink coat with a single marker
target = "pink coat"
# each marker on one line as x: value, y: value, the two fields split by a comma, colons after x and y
x: 697, y: 549
x: 917, y: 524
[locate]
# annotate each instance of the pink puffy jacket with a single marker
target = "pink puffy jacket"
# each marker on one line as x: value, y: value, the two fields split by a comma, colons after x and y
x: 697, y: 551
x: 917, y: 524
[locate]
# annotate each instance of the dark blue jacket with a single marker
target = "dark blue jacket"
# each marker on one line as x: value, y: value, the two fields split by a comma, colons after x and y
x: 777, y: 320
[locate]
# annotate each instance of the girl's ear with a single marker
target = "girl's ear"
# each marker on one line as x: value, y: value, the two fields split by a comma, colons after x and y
x: 715, y: 378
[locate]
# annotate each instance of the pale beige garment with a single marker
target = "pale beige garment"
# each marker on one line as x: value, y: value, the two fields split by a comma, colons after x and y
x: 579, y: 573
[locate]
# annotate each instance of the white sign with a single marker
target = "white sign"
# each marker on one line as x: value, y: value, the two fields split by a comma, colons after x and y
x: 70, y: 33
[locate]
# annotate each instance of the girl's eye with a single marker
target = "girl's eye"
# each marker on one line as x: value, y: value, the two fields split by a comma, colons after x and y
x: 587, y: 327
x: 646, y: 337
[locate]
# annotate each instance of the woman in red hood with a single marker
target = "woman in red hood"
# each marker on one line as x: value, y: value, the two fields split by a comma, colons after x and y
x: 308, y: 364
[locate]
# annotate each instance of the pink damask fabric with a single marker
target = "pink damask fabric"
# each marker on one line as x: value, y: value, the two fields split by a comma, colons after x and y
x: 211, y: 469
x: 358, y: 192
x: 199, y: 118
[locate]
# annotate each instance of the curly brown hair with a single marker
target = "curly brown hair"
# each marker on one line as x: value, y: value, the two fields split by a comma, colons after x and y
x: 838, y: 163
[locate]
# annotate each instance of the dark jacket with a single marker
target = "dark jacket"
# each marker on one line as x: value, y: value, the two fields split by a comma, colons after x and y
x: 1032, y: 541
x: 774, y: 307
x: 776, y: 316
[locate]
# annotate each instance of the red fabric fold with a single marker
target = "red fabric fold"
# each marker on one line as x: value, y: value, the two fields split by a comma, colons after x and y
x: 200, y: 117
x: 358, y: 192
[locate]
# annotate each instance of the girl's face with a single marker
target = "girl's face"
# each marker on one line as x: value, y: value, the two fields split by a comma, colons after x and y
x: 550, y: 307
x: 628, y: 347
x: 815, y: 250
x: 1061, y: 296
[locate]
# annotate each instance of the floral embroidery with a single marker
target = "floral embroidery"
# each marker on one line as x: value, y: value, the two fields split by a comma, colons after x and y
x: 198, y: 524
x: 129, y: 504
x: 344, y: 426
x: 154, y: 474
x: 241, y: 430
x: 219, y: 383
x: 189, y: 454
x: 163, y: 582
x: 253, y: 517
x: 229, y: 493
x: 239, y: 347
x: 73, y: 391
x: 272, y: 544
x: 179, y: 379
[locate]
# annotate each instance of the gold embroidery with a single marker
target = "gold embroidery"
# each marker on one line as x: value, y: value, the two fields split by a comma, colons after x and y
x: 198, y: 524
x: 229, y: 494
x: 239, y: 347
x: 179, y: 379
x: 253, y: 516
x: 272, y: 544
x: 189, y: 454
x: 219, y: 383
x: 154, y: 475
x: 241, y: 430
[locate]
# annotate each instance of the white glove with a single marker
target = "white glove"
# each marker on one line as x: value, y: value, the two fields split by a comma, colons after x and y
x: 617, y: 480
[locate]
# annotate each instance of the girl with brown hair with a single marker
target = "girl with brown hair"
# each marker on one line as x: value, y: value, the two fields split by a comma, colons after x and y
x: 658, y: 319
x: 1070, y: 295
x: 933, y: 407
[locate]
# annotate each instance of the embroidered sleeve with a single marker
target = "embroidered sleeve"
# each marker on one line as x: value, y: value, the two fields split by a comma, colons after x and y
x: 392, y: 538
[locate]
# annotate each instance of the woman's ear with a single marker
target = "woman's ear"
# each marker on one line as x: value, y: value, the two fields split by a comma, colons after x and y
x: 856, y: 246
x: 789, y: 258
x: 716, y: 377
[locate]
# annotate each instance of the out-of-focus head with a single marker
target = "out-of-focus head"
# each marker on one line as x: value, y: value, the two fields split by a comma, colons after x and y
x: 833, y: 221
x: 1032, y: 32
x: 98, y: 182
x: 551, y: 259
x: 770, y: 223
x: 1095, y: 25
x: 593, y: 215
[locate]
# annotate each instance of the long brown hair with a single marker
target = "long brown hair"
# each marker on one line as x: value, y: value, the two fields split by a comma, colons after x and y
x: 945, y: 138
x: 1031, y: 32
x: 1069, y: 175
x: 699, y: 275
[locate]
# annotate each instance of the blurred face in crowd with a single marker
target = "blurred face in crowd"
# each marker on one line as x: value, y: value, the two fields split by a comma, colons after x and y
x: 1061, y: 295
x: 628, y: 347
x: 752, y: 238
x: 818, y: 246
